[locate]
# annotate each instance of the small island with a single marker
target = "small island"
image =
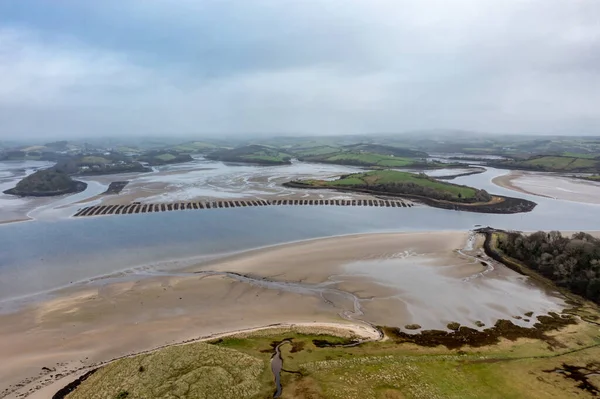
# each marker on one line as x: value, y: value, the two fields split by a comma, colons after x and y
x: 46, y: 183
x: 255, y: 154
x: 422, y: 188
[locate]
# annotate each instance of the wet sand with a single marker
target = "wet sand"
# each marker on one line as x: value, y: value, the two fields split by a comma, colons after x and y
x: 312, y: 281
x: 94, y: 325
x: 551, y: 186
x: 200, y: 180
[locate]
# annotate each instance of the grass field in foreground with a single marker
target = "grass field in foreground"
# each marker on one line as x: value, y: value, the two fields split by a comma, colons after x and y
x: 378, y: 177
x: 239, y: 367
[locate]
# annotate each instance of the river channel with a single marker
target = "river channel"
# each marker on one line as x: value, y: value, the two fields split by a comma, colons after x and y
x: 39, y: 256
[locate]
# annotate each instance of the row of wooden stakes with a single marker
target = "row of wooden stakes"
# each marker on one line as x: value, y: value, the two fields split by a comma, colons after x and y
x: 137, y: 207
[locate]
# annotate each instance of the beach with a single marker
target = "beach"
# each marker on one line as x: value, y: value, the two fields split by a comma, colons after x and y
x: 550, y: 186
x: 350, y: 279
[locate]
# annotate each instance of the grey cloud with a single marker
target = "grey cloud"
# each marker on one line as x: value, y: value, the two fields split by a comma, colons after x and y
x: 316, y: 66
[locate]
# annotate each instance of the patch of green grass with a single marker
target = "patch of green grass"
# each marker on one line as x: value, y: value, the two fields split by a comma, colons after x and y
x: 94, y: 160
x: 265, y: 158
x: 240, y: 366
x: 193, y: 146
x: 369, y: 179
x: 580, y: 155
x: 319, y: 150
x: 127, y: 149
x: 583, y: 163
x: 252, y: 153
x: 595, y: 177
x: 187, y: 371
x: 165, y: 157
x: 559, y: 163
x: 371, y: 159
x: 346, y: 181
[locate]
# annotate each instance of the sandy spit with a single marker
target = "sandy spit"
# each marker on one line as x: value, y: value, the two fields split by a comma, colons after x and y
x: 551, y: 185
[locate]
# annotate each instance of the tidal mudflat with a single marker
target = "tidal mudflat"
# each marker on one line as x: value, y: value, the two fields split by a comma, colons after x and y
x: 389, y: 279
x: 551, y: 186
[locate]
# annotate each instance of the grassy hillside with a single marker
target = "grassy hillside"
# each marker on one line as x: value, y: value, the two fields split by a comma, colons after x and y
x: 368, y: 155
x: 405, y: 183
x: 592, y: 178
x: 553, y: 163
x: 193, y: 147
x: 46, y: 182
x: 369, y: 159
x: 239, y: 366
x: 314, y: 151
x: 386, y: 150
x: 258, y: 154
x: 93, y: 160
x: 156, y: 158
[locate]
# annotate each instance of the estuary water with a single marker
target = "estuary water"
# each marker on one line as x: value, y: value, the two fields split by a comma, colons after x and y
x: 39, y: 256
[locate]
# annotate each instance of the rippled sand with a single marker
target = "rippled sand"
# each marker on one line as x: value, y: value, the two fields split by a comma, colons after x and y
x: 391, y: 279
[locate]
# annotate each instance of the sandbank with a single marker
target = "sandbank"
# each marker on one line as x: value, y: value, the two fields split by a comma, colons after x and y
x: 359, y: 279
x: 551, y: 186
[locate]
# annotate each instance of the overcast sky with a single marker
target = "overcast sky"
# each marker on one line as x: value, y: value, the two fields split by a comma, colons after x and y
x: 112, y: 67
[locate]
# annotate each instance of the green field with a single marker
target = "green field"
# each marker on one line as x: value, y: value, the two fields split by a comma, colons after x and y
x: 266, y: 158
x: 239, y: 367
x: 367, y: 159
x: 253, y: 154
x: 580, y: 155
x: 124, y: 148
x: 165, y: 157
x: 594, y: 178
x: 555, y: 163
x: 94, y: 160
x: 562, y: 163
x: 393, y: 177
x: 314, y: 151
x: 195, y: 146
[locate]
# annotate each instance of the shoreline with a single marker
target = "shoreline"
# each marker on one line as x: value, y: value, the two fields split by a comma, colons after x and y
x: 196, y: 262
x: 551, y: 185
x: 340, y: 280
x: 15, y: 221
x: 342, y: 329
x: 71, y: 327
x: 506, y: 181
x: 499, y: 204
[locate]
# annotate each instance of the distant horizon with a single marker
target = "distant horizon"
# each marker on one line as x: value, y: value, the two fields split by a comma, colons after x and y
x: 261, y: 136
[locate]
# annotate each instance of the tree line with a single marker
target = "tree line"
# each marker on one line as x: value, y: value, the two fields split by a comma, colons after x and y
x: 572, y: 263
x: 430, y: 192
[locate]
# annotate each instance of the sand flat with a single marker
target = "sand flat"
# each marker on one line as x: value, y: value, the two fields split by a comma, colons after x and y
x: 313, y: 261
x: 380, y: 278
x: 551, y: 186
x: 86, y: 327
